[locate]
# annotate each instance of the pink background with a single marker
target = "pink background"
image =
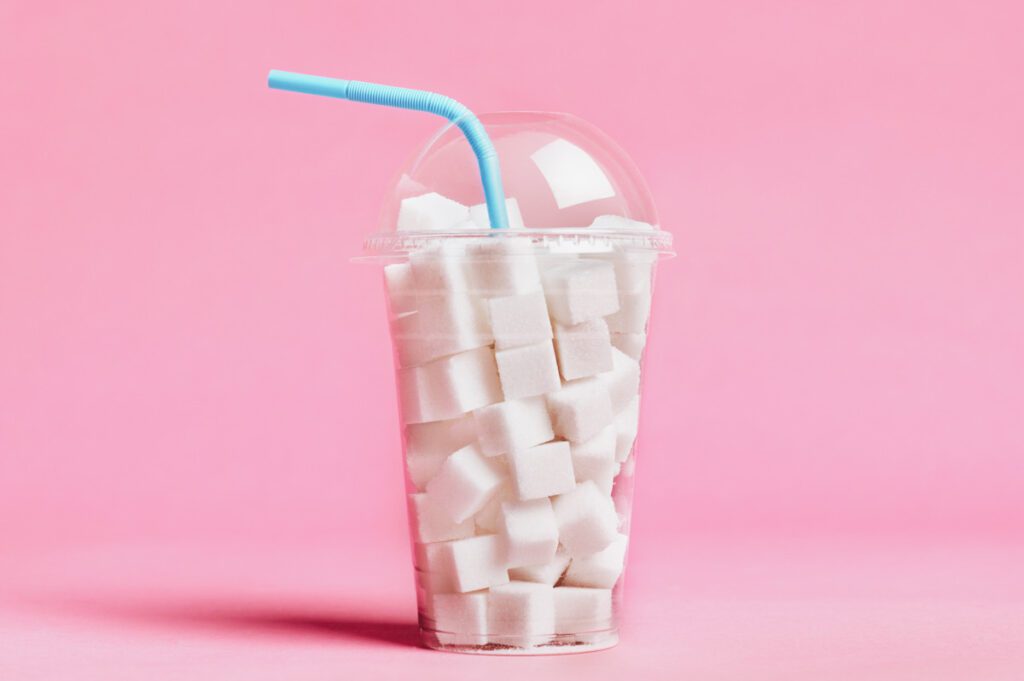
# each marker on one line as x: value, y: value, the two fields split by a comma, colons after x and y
x: 187, y: 359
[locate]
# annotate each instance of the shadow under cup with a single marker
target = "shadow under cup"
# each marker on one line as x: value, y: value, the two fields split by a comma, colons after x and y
x: 519, y: 363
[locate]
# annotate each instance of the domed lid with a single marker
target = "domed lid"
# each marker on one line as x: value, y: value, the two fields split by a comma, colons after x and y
x: 564, y: 180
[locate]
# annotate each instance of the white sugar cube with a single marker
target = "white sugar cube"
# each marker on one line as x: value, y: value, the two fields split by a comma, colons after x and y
x: 583, y: 349
x: 432, y: 524
x: 430, y: 211
x: 627, y: 424
x: 478, y: 214
x: 605, y: 481
x: 529, y: 531
x: 623, y: 381
x: 586, y: 518
x: 634, y: 272
x: 441, y: 437
x: 449, y: 387
x: 594, y: 459
x: 427, y: 445
x: 473, y: 563
x: 631, y: 344
x: 579, y: 610
x: 634, y: 310
x: 460, y: 619
x: 519, y: 320
x: 399, y: 284
x: 433, y: 573
x: 546, y: 573
x: 599, y: 570
x: 503, y: 266
x: 466, y: 481
x: 439, y: 270
x: 521, y: 614
x: 487, y: 518
x: 515, y: 424
x: 423, y: 468
x: 580, y: 290
x: 554, y: 257
x: 528, y: 370
x: 542, y: 470
x: 451, y: 323
x: 408, y: 341
x: 581, y: 409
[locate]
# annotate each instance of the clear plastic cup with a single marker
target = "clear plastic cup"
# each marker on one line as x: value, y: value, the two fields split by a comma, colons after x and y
x: 519, y: 364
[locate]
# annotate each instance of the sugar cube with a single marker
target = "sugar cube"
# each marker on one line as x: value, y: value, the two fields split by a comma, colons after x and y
x: 432, y: 524
x: 605, y: 480
x: 529, y: 532
x: 521, y: 614
x: 478, y: 214
x: 580, y: 610
x: 466, y: 481
x: 631, y: 344
x: 634, y: 272
x: 520, y: 319
x: 427, y: 445
x: 422, y: 468
x: 554, y: 257
x: 473, y: 563
x: 503, y: 266
x: 586, y: 518
x: 451, y: 323
x: 634, y: 310
x: 399, y: 284
x: 542, y: 470
x: 594, y: 459
x: 439, y: 270
x: 432, y: 573
x: 515, y: 424
x: 623, y: 381
x: 580, y: 290
x: 460, y: 619
x: 627, y: 424
x: 449, y: 387
x: 528, y: 370
x: 487, y: 518
x: 546, y: 573
x: 443, y: 437
x: 430, y: 211
x: 581, y: 409
x: 583, y: 349
x: 408, y: 341
x: 601, y: 569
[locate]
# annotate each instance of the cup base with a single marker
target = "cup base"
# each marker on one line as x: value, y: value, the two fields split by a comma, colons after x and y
x: 560, y: 644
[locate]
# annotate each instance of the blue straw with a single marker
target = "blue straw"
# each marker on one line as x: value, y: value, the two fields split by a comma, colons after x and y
x: 418, y: 100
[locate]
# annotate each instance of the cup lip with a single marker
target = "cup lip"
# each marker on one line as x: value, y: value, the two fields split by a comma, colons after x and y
x: 390, y: 245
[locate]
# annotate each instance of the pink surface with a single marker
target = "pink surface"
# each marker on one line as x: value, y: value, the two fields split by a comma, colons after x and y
x: 187, y: 358
x: 707, y: 610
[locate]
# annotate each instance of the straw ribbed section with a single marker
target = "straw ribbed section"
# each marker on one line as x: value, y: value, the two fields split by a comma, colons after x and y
x: 431, y: 102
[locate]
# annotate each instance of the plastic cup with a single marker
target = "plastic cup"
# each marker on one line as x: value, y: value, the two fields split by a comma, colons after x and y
x: 519, y: 365
x: 519, y: 255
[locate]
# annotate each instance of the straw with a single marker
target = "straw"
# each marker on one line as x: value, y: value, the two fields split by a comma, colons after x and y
x: 418, y: 100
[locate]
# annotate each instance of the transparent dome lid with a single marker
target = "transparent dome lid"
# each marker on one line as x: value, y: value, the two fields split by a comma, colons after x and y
x: 563, y: 179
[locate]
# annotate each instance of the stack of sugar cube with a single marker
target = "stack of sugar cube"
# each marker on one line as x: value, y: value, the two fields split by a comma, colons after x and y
x: 518, y: 378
